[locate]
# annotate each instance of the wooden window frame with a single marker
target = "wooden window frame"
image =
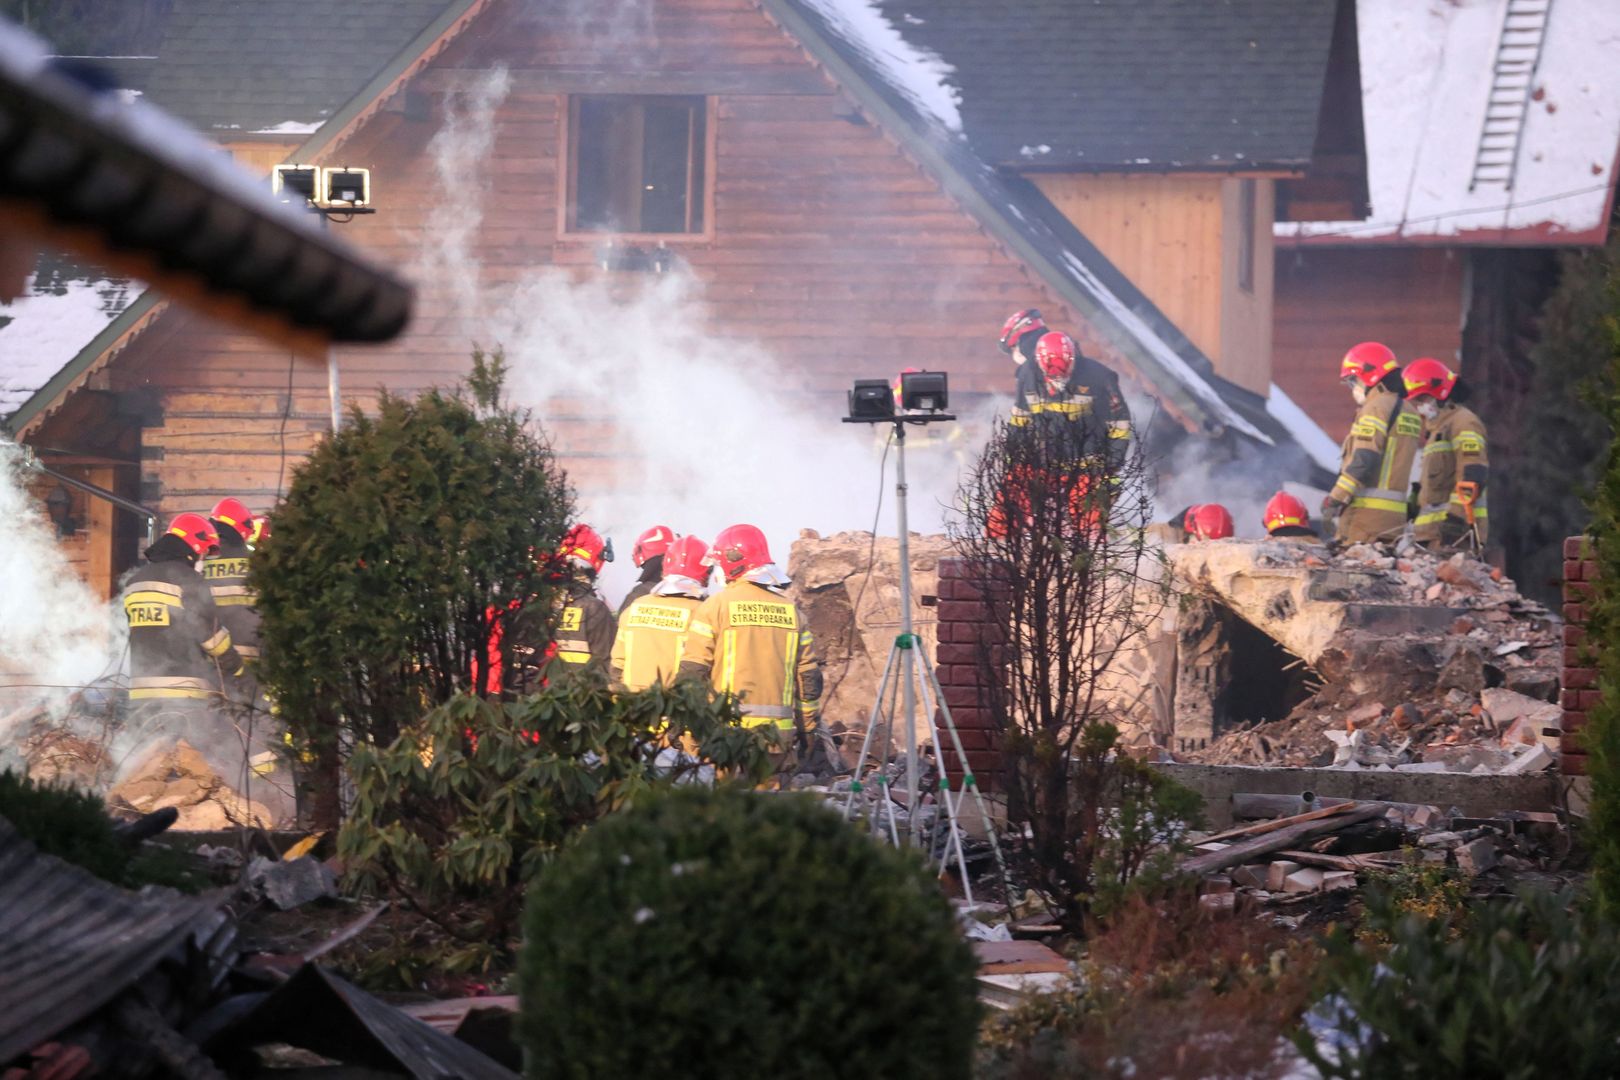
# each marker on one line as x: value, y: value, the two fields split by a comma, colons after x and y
x: 568, y: 167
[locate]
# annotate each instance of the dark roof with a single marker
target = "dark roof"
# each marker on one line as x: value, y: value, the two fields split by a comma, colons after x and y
x: 1141, y: 84
x: 255, y: 64
x: 70, y: 942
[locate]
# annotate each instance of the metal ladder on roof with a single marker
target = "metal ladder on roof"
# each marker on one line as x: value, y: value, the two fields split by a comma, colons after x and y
x: 1518, y: 51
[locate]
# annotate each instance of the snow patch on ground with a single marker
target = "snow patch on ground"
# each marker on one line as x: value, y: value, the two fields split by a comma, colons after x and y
x: 917, y: 73
x: 1426, y: 69
x: 56, y: 316
x: 1307, y: 432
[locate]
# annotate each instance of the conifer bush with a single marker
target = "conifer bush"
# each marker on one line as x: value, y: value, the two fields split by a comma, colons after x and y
x: 727, y: 934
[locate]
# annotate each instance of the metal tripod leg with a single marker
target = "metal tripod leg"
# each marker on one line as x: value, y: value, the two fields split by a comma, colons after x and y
x: 855, y: 786
x: 950, y: 810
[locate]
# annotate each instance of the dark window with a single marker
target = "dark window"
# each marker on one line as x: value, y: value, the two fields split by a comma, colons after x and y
x: 1246, y: 225
x: 637, y: 164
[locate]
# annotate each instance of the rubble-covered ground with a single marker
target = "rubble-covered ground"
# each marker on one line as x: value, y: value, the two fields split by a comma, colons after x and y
x: 1441, y: 665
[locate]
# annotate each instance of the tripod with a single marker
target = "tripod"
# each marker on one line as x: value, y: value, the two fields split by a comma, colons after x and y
x: 909, y: 679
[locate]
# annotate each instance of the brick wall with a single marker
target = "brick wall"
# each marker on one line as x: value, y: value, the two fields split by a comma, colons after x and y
x: 1579, y: 677
x: 968, y: 635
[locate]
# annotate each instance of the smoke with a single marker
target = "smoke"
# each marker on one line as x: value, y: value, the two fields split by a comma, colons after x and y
x: 1241, y: 476
x: 56, y: 636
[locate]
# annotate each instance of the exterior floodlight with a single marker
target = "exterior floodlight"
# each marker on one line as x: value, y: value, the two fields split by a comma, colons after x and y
x: 871, y: 400
x: 924, y: 391
x: 295, y: 183
x: 343, y: 188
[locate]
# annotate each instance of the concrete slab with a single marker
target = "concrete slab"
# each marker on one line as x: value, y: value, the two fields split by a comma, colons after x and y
x: 1477, y: 796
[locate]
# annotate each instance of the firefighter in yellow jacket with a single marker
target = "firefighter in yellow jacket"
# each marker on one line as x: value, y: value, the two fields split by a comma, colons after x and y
x: 654, y: 628
x: 179, y: 652
x: 1368, y: 501
x: 1456, y: 468
x: 750, y: 640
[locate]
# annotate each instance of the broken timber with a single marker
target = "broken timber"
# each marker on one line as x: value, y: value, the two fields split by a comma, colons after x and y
x: 1285, y: 833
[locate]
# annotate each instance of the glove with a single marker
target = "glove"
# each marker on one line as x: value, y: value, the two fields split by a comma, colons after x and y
x: 1331, y: 509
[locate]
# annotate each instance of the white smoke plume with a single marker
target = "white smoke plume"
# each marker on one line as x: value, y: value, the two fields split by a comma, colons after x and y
x: 57, y: 637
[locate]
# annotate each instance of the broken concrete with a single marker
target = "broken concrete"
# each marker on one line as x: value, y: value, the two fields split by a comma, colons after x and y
x: 180, y: 776
x: 291, y: 883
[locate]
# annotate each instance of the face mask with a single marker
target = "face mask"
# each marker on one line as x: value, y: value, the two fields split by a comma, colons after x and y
x: 1427, y: 407
x: 1359, y: 392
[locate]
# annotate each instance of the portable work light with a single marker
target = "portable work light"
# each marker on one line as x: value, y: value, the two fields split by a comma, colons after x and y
x: 345, y: 188
x: 924, y: 391
x: 871, y: 399
x: 295, y: 183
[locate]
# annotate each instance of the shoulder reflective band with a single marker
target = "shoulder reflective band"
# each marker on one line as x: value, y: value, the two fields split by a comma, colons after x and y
x: 1469, y: 442
x: 1368, y: 427
x: 149, y: 607
x: 233, y: 596
x: 1438, y: 446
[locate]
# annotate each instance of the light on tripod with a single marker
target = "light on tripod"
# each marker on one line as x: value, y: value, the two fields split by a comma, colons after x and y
x: 924, y: 391
x: 295, y: 183
x: 871, y: 399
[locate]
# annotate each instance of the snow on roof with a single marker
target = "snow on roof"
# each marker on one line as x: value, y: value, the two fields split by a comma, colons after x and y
x: 1426, y: 73
x: 1307, y: 432
x: 915, y: 72
x: 61, y: 309
x: 291, y: 127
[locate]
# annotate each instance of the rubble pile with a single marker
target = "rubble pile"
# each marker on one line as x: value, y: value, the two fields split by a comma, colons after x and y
x: 1419, y: 663
x: 1285, y: 861
x: 179, y: 776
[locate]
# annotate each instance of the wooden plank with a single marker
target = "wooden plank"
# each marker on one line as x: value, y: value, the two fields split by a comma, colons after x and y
x: 1279, y: 839
x: 574, y: 80
x: 1340, y: 862
x: 1338, y: 806
x: 1017, y: 958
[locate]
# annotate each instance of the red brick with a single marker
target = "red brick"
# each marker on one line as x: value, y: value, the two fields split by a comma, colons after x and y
x: 966, y: 718
x: 966, y: 611
x: 952, y: 568
x: 1573, y: 570
x: 1574, y: 635
x: 1573, y: 742
x: 958, y: 654
x: 1579, y: 678
x: 976, y: 739
x: 1589, y: 570
x: 961, y: 633
x: 1576, y: 592
x: 961, y: 697
x: 1575, y: 613
x: 1589, y: 699
x: 1575, y: 547
x: 1569, y: 699
x: 1574, y: 720
x: 1573, y: 765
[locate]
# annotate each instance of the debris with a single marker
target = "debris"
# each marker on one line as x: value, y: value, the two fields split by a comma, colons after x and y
x: 1288, y: 833
x: 1537, y: 758
x: 1277, y: 874
x: 348, y: 933
x: 179, y: 776
x: 1476, y: 856
x: 1338, y: 879
x: 1305, y: 879
x: 1219, y: 903
x: 1250, y: 877
x: 1017, y: 958
x: 287, y: 885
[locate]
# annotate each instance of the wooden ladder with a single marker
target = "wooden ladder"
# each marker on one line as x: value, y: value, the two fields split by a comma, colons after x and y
x: 1518, y: 51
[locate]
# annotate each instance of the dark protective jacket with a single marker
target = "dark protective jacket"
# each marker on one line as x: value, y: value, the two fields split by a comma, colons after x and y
x: 652, y: 572
x: 178, y: 649
x: 1091, y: 401
x: 752, y: 641
x: 575, y: 635
x: 1454, y: 453
x: 226, y: 574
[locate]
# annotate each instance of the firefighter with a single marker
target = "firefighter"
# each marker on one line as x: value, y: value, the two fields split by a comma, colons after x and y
x: 1451, y: 491
x: 226, y: 572
x: 1286, y: 518
x: 648, y: 555
x: 750, y: 640
x: 584, y: 623
x: 1203, y: 521
x: 653, y: 630
x: 1368, y: 501
x: 179, y: 651
x: 1020, y: 333
x: 1065, y: 387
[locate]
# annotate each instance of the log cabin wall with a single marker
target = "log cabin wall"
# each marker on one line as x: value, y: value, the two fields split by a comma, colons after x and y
x: 1328, y: 299
x: 827, y: 245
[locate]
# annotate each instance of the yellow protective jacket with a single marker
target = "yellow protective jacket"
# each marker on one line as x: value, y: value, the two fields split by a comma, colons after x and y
x: 651, y: 641
x: 178, y: 650
x: 751, y: 640
x: 1454, y: 453
x: 1375, y: 467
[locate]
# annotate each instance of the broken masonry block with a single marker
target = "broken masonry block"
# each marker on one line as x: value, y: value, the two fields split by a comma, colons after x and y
x: 1277, y: 874
x: 1308, y: 879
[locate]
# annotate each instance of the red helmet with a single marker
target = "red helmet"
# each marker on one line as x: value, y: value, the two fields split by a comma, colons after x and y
x: 688, y: 557
x: 652, y: 543
x: 899, y: 383
x: 1368, y: 362
x: 739, y: 549
x: 198, y: 533
x: 1428, y: 377
x: 584, y: 546
x: 1209, y: 521
x: 1284, y: 510
x: 234, y: 512
x: 260, y: 531
x: 1017, y: 325
x: 1055, y: 354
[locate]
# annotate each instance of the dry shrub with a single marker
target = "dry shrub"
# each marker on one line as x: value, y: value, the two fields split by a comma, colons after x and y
x: 1170, y: 989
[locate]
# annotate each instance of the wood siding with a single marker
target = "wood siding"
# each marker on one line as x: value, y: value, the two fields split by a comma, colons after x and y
x: 830, y: 248
x: 1175, y: 237
x: 1411, y: 299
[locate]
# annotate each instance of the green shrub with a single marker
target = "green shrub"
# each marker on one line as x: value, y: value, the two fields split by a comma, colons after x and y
x: 459, y: 812
x: 1430, y: 890
x: 729, y: 935
x: 1526, y: 989
x: 73, y: 825
x: 399, y: 539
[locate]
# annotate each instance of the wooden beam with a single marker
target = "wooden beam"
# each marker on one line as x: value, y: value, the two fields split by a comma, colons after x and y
x: 1280, y: 839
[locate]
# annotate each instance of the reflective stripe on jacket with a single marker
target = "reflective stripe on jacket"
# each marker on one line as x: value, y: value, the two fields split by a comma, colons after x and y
x: 751, y: 641
x: 585, y: 627
x: 1091, y: 398
x: 177, y: 645
x: 226, y: 575
x: 651, y: 640
x: 1455, y: 453
x: 1375, y: 466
